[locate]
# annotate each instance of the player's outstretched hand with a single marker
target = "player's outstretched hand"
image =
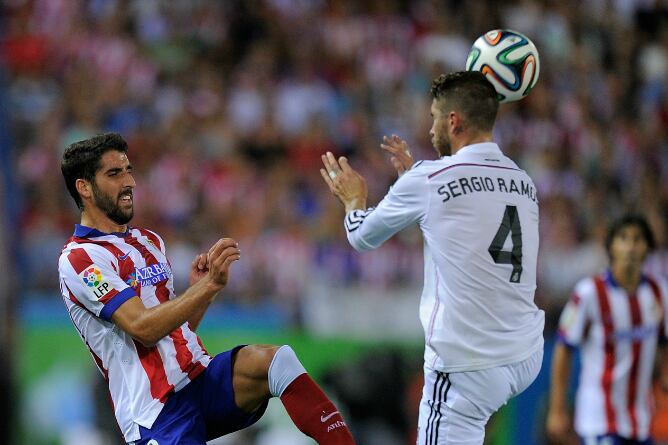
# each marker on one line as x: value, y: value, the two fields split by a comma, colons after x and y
x: 219, y: 258
x: 344, y: 182
x: 401, y: 158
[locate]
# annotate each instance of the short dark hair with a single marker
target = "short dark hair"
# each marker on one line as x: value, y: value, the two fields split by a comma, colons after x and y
x: 81, y: 160
x: 630, y: 219
x: 470, y: 93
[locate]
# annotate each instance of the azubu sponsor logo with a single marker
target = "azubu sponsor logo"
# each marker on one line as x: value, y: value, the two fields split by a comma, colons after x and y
x: 150, y: 275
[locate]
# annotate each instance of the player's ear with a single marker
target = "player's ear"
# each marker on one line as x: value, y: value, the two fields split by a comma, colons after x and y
x: 84, y: 188
x: 455, y: 122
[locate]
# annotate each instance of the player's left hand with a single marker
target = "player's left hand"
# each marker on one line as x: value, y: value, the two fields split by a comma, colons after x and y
x: 401, y: 158
x: 344, y: 182
x: 198, y: 268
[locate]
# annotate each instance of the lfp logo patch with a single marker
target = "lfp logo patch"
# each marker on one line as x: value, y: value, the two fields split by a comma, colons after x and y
x: 92, y: 277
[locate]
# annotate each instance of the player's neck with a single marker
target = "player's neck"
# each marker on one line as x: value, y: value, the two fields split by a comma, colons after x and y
x: 96, y: 219
x: 627, y: 277
x: 467, y: 139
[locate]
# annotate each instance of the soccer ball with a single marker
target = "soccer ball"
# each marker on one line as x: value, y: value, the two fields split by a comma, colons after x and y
x: 509, y: 60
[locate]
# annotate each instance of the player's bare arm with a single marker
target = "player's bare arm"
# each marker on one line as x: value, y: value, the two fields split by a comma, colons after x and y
x: 149, y: 325
x: 559, y: 423
x: 401, y: 157
x: 344, y: 182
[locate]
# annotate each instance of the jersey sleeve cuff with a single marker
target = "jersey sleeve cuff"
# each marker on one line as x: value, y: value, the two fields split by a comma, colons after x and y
x: 355, y: 218
x: 116, y: 302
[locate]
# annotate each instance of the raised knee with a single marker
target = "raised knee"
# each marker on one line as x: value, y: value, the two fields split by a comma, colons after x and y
x: 256, y: 359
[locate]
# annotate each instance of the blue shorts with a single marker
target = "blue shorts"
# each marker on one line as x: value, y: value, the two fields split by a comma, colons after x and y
x: 201, y: 411
x: 613, y: 439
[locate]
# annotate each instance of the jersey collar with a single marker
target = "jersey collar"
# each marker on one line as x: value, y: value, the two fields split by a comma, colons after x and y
x: 610, y: 279
x: 481, y: 147
x: 89, y: 232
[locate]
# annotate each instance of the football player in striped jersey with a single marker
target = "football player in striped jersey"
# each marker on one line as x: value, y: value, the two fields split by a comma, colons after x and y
x: 117, y: 284
x: 615, y: 320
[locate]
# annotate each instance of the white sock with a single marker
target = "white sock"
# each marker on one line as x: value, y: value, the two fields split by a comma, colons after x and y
x: 283, y: 370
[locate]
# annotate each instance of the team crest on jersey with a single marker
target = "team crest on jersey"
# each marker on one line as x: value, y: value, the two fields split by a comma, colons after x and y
x: 149, y: 275
x: 92, y: 278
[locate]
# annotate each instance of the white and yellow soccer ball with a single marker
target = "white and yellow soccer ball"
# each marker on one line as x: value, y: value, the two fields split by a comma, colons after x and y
x: 509, y: 60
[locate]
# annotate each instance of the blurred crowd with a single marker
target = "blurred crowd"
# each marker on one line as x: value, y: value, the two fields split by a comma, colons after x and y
x: 228, y: 105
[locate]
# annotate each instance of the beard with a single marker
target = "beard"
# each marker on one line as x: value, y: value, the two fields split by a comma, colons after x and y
x: 442, y: 145
x: 111, y: 208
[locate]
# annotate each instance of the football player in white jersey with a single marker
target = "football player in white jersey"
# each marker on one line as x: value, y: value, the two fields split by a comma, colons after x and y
x: 478, y: 212
x: 117, y: 284
x: 615, y: 320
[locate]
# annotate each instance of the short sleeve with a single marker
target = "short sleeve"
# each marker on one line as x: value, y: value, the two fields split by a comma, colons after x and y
x: 574, y: 320
x: 405, y: 203
x: 90, y: 278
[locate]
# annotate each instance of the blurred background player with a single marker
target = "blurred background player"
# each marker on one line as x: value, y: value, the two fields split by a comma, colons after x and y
x: 478, y: 212
x: 615, y: 320
x: 117, y: 285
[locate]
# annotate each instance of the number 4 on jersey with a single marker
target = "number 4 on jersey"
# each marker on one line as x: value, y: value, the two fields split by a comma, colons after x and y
x: 510, y: 224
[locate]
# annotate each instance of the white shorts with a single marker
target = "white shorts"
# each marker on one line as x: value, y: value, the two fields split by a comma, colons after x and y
x: 456, y: 406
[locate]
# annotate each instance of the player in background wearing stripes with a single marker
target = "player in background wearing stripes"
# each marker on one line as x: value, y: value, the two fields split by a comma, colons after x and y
x: 117, y: 284
x: 615, y: 320
x: 478, y: 212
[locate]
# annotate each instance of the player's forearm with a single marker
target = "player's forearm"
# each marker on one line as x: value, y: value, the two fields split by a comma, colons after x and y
x: 196, y: 319
x: 159, y: 321
x: 561, y: 369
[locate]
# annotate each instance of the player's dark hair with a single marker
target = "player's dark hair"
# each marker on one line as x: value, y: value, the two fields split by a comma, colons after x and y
x: 630, y: 219
x: 81, y: 160
x: 470, y: 93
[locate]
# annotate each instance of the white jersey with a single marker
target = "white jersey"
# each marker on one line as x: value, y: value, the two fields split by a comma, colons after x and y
x: 479, y: 215
x: 98, y: 273
x: 617, y: 334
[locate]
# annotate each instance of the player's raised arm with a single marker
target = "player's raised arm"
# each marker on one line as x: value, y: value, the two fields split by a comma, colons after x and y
x: 149, y: 325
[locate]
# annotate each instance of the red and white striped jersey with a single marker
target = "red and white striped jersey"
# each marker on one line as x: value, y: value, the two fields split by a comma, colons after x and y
x: 98, y: 273
x: 617, y: 334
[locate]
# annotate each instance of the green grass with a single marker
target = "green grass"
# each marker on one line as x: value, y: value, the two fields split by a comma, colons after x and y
x: 42, y: 348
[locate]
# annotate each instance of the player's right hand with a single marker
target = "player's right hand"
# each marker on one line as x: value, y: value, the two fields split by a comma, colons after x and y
x: 344, y: 182
x: 219, y: 258
x: 558, y: 426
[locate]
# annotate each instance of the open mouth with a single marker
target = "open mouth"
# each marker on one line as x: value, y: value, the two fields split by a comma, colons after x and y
x: 125, y: 198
